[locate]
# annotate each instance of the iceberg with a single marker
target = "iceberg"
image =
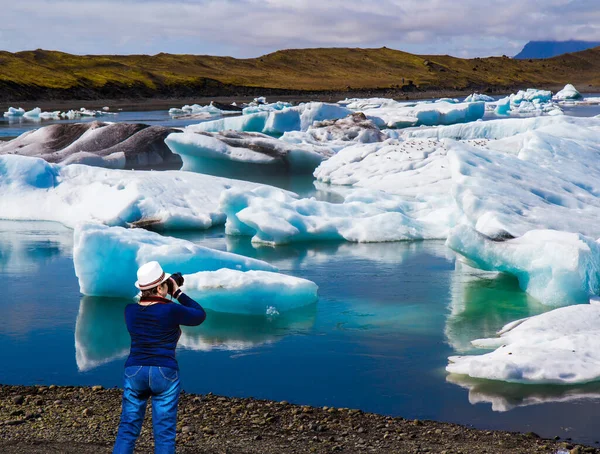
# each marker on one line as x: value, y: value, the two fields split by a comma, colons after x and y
x: 33, y: 189
x: 567, y: 93
x: 478, y: 97
x: 239, y: 154
x: 560, y: 347
x: 276, y: 122
x: 106, y: 260
x: 111, y: 145
x: 271, y: 216
x: 14, y: 112
x: 210, y: 110
x: 530, y: 102
x: 427, y: 114
x: 255, y: 107
x: 556, y: 268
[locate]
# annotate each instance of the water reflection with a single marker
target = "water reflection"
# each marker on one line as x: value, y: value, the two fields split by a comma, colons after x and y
x: 101, y: 335
x: 482, y: 303
x: 25, y: 246
x: 507, y: 396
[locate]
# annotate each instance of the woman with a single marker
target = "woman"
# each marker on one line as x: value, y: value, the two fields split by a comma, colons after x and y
x: 151, y: 369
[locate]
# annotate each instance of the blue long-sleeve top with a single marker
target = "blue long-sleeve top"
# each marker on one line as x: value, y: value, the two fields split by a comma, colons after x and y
x: 154, y: 329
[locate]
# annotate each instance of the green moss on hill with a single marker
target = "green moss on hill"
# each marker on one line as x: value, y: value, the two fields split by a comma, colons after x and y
x: 331, y: 69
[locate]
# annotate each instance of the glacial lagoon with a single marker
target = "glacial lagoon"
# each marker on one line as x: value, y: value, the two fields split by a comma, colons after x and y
x: 388, y: 317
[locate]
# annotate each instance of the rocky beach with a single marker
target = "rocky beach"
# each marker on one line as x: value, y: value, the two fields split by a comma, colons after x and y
x: 68, y: 419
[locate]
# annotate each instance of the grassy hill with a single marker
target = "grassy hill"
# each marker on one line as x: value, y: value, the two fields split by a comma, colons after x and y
x: 42, y: 74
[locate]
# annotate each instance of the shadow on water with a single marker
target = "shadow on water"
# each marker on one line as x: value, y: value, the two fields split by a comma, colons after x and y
x: 101, y: 335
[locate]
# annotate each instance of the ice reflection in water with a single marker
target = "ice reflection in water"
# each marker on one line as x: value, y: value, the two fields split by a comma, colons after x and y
x: 101, y: 335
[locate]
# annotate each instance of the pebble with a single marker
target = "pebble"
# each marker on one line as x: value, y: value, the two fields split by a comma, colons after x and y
x: 361, y: 430
x: 18, y: 400
x: 97, y: 388
x: 39, y: 401
x: 88, y: 412
x: 57, y: 402
x: 52, y: 387
x: 186, y: 429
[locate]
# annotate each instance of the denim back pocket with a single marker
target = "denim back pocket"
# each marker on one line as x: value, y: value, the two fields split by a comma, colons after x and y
x: 132, y: 371
x: 168, y: 373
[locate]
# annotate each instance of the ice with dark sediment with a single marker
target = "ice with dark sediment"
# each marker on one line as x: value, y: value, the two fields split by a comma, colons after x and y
x: 111, y: 145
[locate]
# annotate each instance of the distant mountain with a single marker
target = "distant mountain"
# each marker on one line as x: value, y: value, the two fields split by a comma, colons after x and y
x: 548, y: 49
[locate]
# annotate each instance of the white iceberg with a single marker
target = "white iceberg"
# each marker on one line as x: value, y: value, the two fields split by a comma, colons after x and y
x: 561, y: 346
x: 427, y: 114
x: 530, y: 102
x: 106, y: 259
x: 276, y: 122
x: 255, y: 107
x: 556, y: 268
x: 238, y: 154
x: 567, y: 93
x: 479, y: 97
x: 362, y: 104
x: 273, y: 217
x: 33, y: 189
x: 14, y: 112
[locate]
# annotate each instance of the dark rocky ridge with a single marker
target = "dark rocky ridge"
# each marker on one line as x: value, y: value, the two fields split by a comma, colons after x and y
x: 85, y: 420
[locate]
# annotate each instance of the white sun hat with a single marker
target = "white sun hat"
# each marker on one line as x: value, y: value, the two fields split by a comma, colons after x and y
x: 150, y: 275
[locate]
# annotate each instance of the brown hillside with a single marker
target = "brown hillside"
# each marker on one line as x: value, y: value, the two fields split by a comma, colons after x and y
x: 40, y: 73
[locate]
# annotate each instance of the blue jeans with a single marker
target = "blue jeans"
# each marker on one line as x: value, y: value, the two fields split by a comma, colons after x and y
x: 142, y: 382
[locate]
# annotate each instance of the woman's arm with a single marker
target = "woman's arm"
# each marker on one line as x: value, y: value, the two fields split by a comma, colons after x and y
x: 188, y: 312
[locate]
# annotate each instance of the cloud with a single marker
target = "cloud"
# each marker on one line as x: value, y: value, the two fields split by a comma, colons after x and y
x: 245, y: 28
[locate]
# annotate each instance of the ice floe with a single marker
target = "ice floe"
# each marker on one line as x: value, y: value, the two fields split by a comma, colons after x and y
x: 274, y: 217
x: 478, y: 97
x: 276, y: 122
x: 561, y: 346
x: 239, y: 154
x: 567, y: 93
x: 556, y: 268
x: 14, y: 112
x: 111, y: 145
x: 106, y: 259
x: 33, y: 189
x: 427, y: 114
x: 530, y: 102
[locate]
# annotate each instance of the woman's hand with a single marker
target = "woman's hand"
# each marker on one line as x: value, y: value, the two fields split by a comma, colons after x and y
x: 174, y: 286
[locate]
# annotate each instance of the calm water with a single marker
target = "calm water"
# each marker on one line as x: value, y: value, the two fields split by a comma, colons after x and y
x: 378, y: 339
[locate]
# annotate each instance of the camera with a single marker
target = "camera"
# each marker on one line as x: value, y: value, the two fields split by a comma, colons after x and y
x: 178, y: 278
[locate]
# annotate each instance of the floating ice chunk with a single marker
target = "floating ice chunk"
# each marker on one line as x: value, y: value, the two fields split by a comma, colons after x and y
x: 276, y: 122
x: 361, y: 104
x: 500, y: 129
x: 561, y: 346
x: 567, y: 93
x: 112, y: 145
x: 530, y: 102
x: 274, y: 217
x: 556, y: 268
x: 106, y: 259
x: 428, y: 114
x: 249, y: 292
x: 210, y: 110
x: 478, y: 97
x: 262, y: 107
x: 237, y: 154
x: 14, y: 112
x: 32, y: 189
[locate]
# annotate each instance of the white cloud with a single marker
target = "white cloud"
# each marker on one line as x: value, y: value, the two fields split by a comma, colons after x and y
x: 244, y: 28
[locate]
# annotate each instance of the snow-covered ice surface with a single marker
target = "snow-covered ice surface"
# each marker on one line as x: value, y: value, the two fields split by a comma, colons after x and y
x: 556, y: 268
x: 235, y: 154
x: 33, y: 189
x: 561, y: 346
x: 271, y: 216
x: 106, y: 259
x: 111, y: 145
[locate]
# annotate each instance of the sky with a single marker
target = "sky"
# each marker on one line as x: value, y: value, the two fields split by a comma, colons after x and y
x: 250, y: 28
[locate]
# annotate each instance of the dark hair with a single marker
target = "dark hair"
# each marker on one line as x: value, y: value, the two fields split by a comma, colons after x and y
x: 150, y: 292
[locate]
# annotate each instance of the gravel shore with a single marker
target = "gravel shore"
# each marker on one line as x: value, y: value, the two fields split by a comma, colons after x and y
x: 84, y: 420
